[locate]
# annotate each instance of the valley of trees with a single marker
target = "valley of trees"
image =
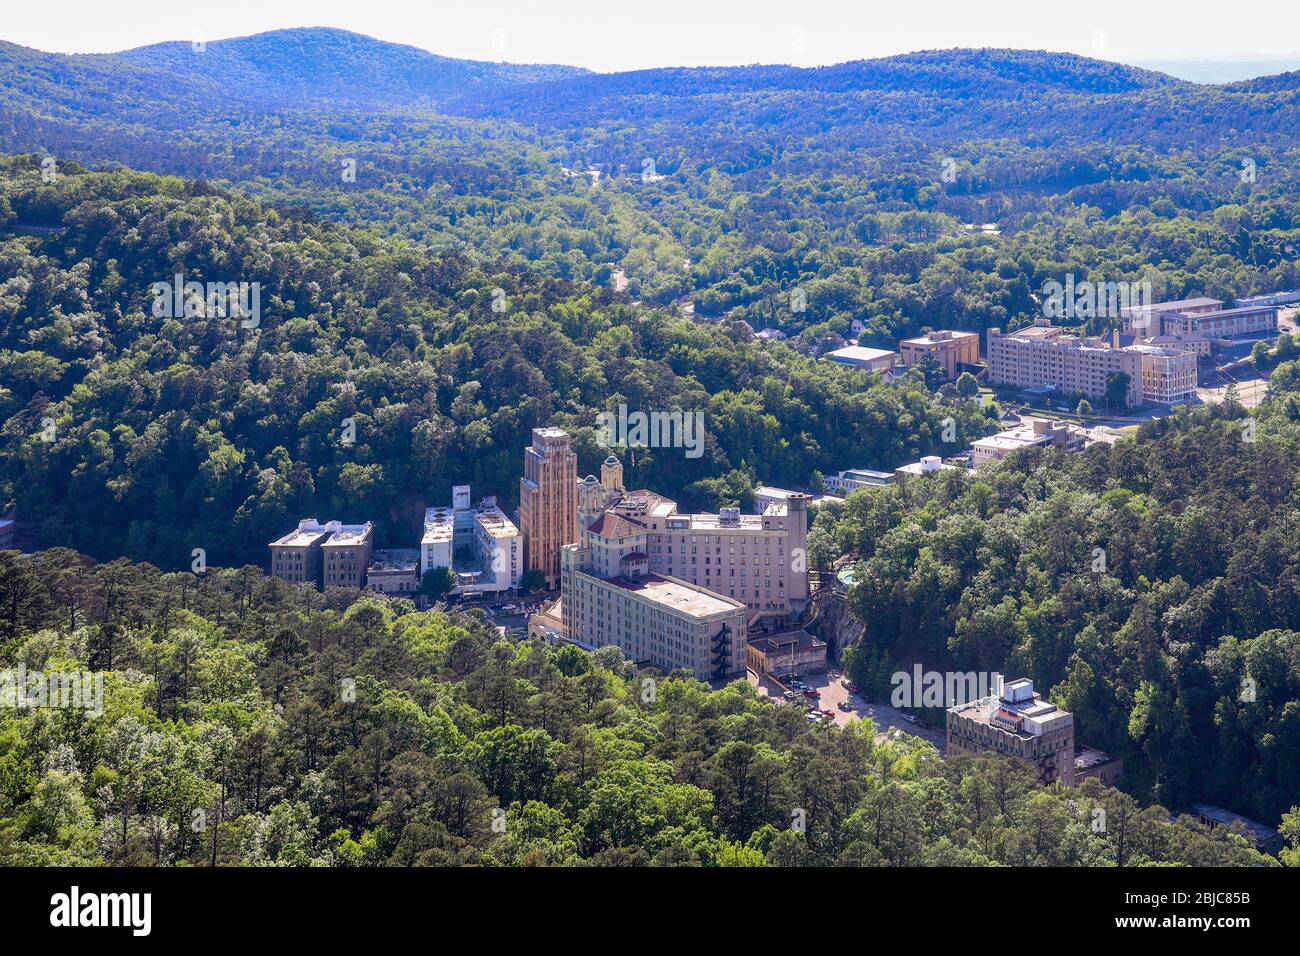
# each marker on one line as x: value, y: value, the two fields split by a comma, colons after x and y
x: 435, y: 243
x: 132, y: 434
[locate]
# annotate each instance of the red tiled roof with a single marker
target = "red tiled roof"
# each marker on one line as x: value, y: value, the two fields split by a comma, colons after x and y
x: 611, y: 525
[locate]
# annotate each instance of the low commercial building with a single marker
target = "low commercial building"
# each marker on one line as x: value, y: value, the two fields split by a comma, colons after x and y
x: 949, y: 348
x: 8, y: 533
x: 395, y: 572
x: 1261, y: 837
x: 1148, y: 319
x: 1030, y: 433
x: 872, y: 360
x: 1222, y: 323
x: 1089, y: 762
x: 1019, y: 723
x: 857, y: 478
x: 786, y: 652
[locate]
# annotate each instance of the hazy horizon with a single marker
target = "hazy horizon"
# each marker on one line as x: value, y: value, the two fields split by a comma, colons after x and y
x: 721, y: 33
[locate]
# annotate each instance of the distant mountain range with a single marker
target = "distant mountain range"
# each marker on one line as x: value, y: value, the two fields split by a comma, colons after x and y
x: 331, y: 86
x: 1222, y: 69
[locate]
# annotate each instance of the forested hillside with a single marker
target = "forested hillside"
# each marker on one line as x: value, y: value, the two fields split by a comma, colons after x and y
x: 170, y: 434
x: 245, y: 722
x: 851, y: 183
x: 1176, y: 645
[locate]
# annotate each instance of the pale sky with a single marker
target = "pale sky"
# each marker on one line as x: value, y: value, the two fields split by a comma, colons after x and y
x: 612, y: 35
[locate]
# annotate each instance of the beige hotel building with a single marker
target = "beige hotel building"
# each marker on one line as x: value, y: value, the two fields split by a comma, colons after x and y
x: 1042, y: 354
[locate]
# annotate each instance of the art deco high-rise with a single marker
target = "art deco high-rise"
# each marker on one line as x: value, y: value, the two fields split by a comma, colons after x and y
x: 548, y: 501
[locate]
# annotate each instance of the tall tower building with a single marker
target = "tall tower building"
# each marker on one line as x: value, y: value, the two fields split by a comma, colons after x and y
x: 591, y: 503
x: 611, y: 477
x: 548, y: 501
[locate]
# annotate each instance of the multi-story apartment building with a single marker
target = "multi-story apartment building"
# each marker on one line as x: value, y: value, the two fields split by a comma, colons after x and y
x: 548, y: 501
x: 346, y: 554
x: 1019, y: 723
x: 295, y: 557
x: 480, y: 544
x: 950, y: 349
x: 1043, y: 355
x: 609, y: 595
x: 759, y: 559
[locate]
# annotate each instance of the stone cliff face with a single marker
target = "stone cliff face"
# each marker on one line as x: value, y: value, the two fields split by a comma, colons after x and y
x: 830, y: 620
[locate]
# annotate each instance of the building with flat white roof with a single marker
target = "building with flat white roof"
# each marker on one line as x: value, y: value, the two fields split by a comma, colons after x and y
x: 873, y: 360
x: 608, y: 595
x: 480, y: 544
x: 929, y: 465
x: 1030, y: 433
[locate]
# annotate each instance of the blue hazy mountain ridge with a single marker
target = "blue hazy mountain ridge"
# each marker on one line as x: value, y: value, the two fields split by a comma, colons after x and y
x: 334, y: 81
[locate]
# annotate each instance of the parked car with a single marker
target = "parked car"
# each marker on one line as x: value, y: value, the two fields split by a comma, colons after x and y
x: 812, y: 717
x: 789, y: 695
x: 909, y: 718
x: 829, y: 714
x: 854, y: 687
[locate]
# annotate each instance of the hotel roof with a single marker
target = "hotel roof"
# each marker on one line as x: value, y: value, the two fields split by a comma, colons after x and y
x: 348, y: 534
x: 613, y: 525
x: 676, y: 595
x: 944, y: 335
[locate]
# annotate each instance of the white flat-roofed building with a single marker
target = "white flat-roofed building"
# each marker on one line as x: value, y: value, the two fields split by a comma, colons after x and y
x: 758, y: 559
x: 480, y: 544
x: 873, y: 360
x: 929, y: 465
x: 1030, y: 433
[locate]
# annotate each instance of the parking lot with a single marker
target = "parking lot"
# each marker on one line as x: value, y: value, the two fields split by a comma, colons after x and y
x: 831, y: 692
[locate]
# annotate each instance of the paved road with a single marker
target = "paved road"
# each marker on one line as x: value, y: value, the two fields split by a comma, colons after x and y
x: 832, y: 692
